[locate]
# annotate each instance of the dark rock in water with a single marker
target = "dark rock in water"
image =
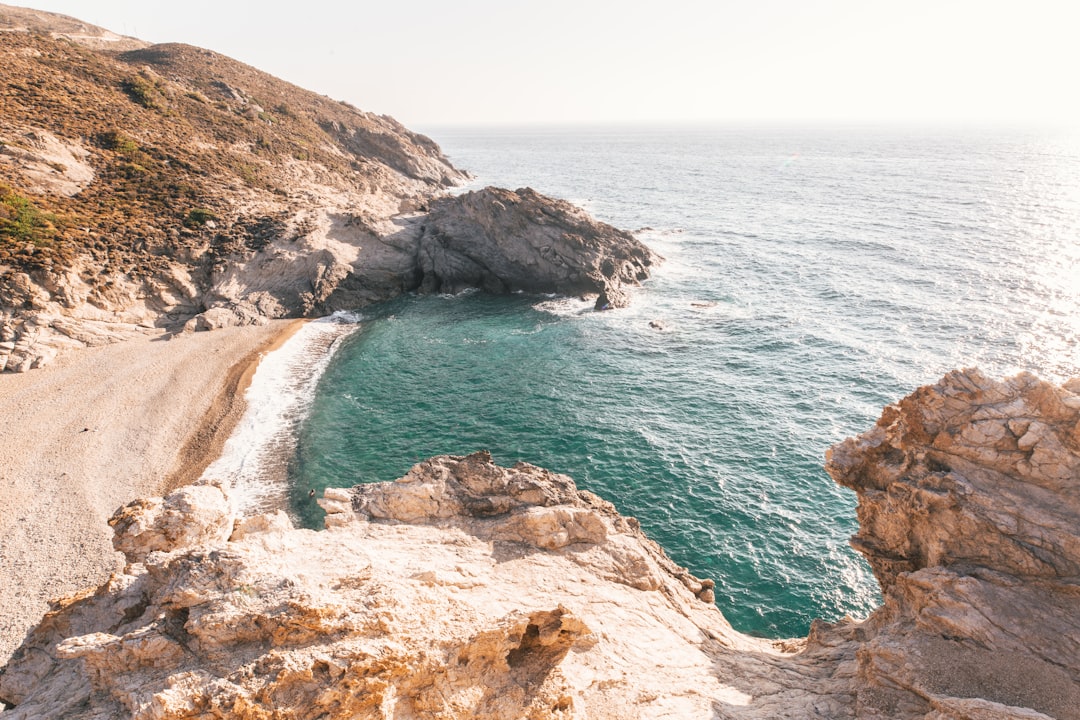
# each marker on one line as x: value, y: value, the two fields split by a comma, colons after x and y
x: 657, y: 325
x: 502, y: 241
x: 612, y: 297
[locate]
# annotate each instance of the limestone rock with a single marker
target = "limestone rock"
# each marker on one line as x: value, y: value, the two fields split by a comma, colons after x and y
x: 468, y: 590
x: 193, y: 516
x: 462, y: 590
x: 970, y: 517
x: 49, y: 164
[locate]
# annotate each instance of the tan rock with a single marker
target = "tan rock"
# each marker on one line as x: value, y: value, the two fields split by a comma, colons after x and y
x: 466, y: 590
x: 193, y: 516
x: 970, y: 517
x: 49, y: 164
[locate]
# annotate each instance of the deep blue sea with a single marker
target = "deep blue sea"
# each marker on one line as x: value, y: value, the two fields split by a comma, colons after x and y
x: 812, y: 276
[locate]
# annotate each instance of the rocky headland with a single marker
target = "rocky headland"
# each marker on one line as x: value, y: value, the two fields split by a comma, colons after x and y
x: 149, y: 188
x: 148, y: 192
x: 468, y: 590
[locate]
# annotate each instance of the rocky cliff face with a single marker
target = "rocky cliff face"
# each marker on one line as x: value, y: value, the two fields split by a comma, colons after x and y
x: 969, y: 512
x: 146, y: 187
x: 466, y: 590
x: 501, y: 240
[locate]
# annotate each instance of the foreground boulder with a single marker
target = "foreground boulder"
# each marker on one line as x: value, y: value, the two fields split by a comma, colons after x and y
x: 468, y: 590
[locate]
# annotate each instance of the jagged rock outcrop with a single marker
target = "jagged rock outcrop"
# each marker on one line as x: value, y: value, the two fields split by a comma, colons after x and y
x: 503, y: 241
x: 462, y: 590
x: 467, y: 590
x: 145, y: 187
x: 497, y: 240
x: 969, y: 512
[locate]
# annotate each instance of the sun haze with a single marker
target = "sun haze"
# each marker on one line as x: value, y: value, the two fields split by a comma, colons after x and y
x: 642, y: 61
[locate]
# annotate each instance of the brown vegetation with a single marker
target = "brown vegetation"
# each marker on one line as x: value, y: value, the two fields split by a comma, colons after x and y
x: 183, y: 143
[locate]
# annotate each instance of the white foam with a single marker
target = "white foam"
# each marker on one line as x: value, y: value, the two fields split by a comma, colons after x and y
x: 565, y: 306
x: 254, y: 461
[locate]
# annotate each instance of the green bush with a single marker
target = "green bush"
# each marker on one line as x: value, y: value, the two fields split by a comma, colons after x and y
x: 22, y: 222
x: 118, y: 142
x: 142, y: 91
x: 132, y: 171
x: 198, y: 217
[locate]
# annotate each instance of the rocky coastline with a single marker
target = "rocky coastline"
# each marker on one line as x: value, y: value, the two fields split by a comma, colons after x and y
x: 151, y: 192
x: 469, y: 590
x: 166, y: 188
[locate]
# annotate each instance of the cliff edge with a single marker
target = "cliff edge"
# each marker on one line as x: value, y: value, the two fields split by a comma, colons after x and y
x: 150, y: 188
x: 468, y: 590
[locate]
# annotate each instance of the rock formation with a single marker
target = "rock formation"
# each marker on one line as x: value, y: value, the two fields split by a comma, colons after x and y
x: 969, y: 512
x: 501, y: 240
x: 148, y: 187
x: 466, y: 590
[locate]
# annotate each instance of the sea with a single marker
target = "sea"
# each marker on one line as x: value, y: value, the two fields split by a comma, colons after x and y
x: 812, y: 275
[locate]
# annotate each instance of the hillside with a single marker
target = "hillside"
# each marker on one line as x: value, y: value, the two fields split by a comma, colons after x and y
x: 142, y: 186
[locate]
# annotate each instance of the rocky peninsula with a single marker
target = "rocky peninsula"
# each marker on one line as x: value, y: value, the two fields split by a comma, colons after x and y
x: 468, y: 590
x: 149, y: 188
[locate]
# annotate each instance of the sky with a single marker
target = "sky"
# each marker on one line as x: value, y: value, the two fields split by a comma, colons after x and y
x: 464, y: 62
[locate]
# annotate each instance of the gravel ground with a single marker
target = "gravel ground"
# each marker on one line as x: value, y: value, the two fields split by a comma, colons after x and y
x: 98, y: 429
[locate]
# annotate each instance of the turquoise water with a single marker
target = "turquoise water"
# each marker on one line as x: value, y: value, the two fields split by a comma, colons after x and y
x: 812, y: 277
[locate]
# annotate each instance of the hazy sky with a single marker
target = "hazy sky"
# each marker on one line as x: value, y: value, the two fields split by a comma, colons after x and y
x: 430, y: 62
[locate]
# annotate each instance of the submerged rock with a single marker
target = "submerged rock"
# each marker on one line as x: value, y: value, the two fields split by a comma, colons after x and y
x: 469, y: 590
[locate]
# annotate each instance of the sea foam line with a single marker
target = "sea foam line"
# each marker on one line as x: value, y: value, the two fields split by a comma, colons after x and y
x: 255, y: 460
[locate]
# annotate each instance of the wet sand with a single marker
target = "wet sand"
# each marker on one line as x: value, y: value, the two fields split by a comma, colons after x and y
x: 98, y: 429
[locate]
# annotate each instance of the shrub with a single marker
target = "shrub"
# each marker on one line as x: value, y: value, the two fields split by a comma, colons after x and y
x: 21, y: 221
x: 131, y: 171
x: 142, y: 91
x: 197, y: 217
x: 118, y: 142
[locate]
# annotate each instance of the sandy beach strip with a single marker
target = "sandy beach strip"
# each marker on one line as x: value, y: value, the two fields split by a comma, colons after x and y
x: 98, y: 429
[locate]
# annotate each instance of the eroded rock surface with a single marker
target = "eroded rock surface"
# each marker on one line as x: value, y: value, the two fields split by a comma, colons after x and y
x: 505, y: 241
x: 969, y: 512
x: 462, y: 590
x: 468, y: 590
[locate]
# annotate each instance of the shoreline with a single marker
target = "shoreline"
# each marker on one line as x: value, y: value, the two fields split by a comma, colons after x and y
x: 100, y: 427
x: 206, y: 442
x: 252, y: 451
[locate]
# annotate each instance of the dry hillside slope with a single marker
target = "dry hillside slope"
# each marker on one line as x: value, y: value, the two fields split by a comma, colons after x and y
x: 151, y: 186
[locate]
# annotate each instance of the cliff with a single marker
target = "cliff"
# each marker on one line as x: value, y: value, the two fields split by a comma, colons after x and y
x: 466, y: 590
x: 157, y: 187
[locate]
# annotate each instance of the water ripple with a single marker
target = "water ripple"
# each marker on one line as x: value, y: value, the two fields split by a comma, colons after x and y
x: 800, y: 296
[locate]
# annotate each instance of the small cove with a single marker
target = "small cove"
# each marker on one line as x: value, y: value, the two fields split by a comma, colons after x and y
x: 811, y: 278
